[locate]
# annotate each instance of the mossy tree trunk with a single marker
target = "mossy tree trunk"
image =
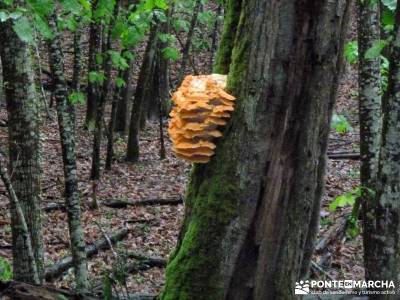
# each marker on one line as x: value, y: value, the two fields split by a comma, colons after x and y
x: 24, y: 151
x: 253, y: 209
x: 370, y: 125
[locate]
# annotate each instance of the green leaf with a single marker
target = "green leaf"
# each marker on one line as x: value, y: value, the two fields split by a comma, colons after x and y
x: 77, y: 98
x: 71, y: 6
x: 43, y: 27
x: 351, y: 52
x: 179, y: 24
x: 170, y: 53
x: 5, y: 269
x: 85, y: 4
x: 391, y: 4
x: 388, y: 17
x: 340, y: 124
x: 119, y: 82
x: 375, y: 50
x: 24, y: 29
x: 96, y: 77
x: 15, y: 15
x: 161, y: 4
x: 3, y: 16
x: 42, y: 7
x: 117, y: 60
x: 347, y: 199
x: 99, y: 58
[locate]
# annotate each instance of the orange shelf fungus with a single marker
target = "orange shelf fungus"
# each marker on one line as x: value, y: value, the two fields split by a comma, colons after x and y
x: 201, y: 107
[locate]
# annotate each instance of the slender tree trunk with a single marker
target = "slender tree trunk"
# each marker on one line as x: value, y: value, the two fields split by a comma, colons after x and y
x: 132, y: 154
x: 98, y: 134
x: 370, y: 125
x: 188, y: 44
x: 67, y: 137
x: 124, y: 99
x: 93, y: 89
x: 231, y: 21
x: 250, y: 211
x: 214, y: 38
x: 24, y: 151
x: 385, y: 223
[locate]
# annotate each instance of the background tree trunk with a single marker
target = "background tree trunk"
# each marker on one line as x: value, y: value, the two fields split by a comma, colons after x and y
x: 250, y: 212
x: 370, y: 114
x: 67, y: 136
x: 132, y: 154
x: 24, y: 150
x: 93, y: 89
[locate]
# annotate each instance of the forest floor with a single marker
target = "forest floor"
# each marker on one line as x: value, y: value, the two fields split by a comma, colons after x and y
x: 153, y: 230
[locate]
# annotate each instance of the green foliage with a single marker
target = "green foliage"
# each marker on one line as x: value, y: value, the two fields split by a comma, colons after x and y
x: 5, y: 269
x: 119, y: 82
x: 96, y: 77
x: 170, y: 53
x: 351, y: 52
x: 390, y: 4
x: 77, y: 98
x: 384, y: 73
x: 340, y: 124
x: 376, y: 49
x: 117, y: 60
x: 23, y: 28
x: 107, y: 290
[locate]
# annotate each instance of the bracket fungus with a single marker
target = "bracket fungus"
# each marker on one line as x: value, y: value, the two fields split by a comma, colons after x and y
x: 201, y: 106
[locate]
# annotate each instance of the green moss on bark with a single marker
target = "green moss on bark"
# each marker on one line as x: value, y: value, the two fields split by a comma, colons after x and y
x: 224, y: 54
x: 211, y: 205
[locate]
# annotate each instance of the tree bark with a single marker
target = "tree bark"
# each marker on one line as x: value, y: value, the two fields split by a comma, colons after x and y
x: 67, y: 137
x: 24, y: 149
x: 370, y: 114
x: 253, y: 209
x: 132, y: 154
x: 124, y: 99
x: 93, y: 89
x: 385, y: 222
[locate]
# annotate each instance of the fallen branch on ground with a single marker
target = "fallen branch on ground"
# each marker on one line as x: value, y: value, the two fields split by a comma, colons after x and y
x: 119, y: 203
x: 24, y: 291
x: 64, y: 264
x: 344, y: 155
x: 335, y: 232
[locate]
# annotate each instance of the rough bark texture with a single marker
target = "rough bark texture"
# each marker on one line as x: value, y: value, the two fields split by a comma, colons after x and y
x: 132, y: 154
x: 251, y: 211
x: 370, y: 113
x: 385, y: 219
x: 24, y: 152
x: 67, y: 136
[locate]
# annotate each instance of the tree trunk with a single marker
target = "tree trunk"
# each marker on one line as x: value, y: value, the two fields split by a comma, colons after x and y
x: 124, y: 99
x: 385, y: 223
x: 370, y: 125
x: 93, y: 88
x: 98, y: 133
x: 132, y: 154
x: 214, y: 38
x: 67, y: 136
x: 24, y: 150
x: 251, y: 211
x: 231, y: 21
x: 188, y: 44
